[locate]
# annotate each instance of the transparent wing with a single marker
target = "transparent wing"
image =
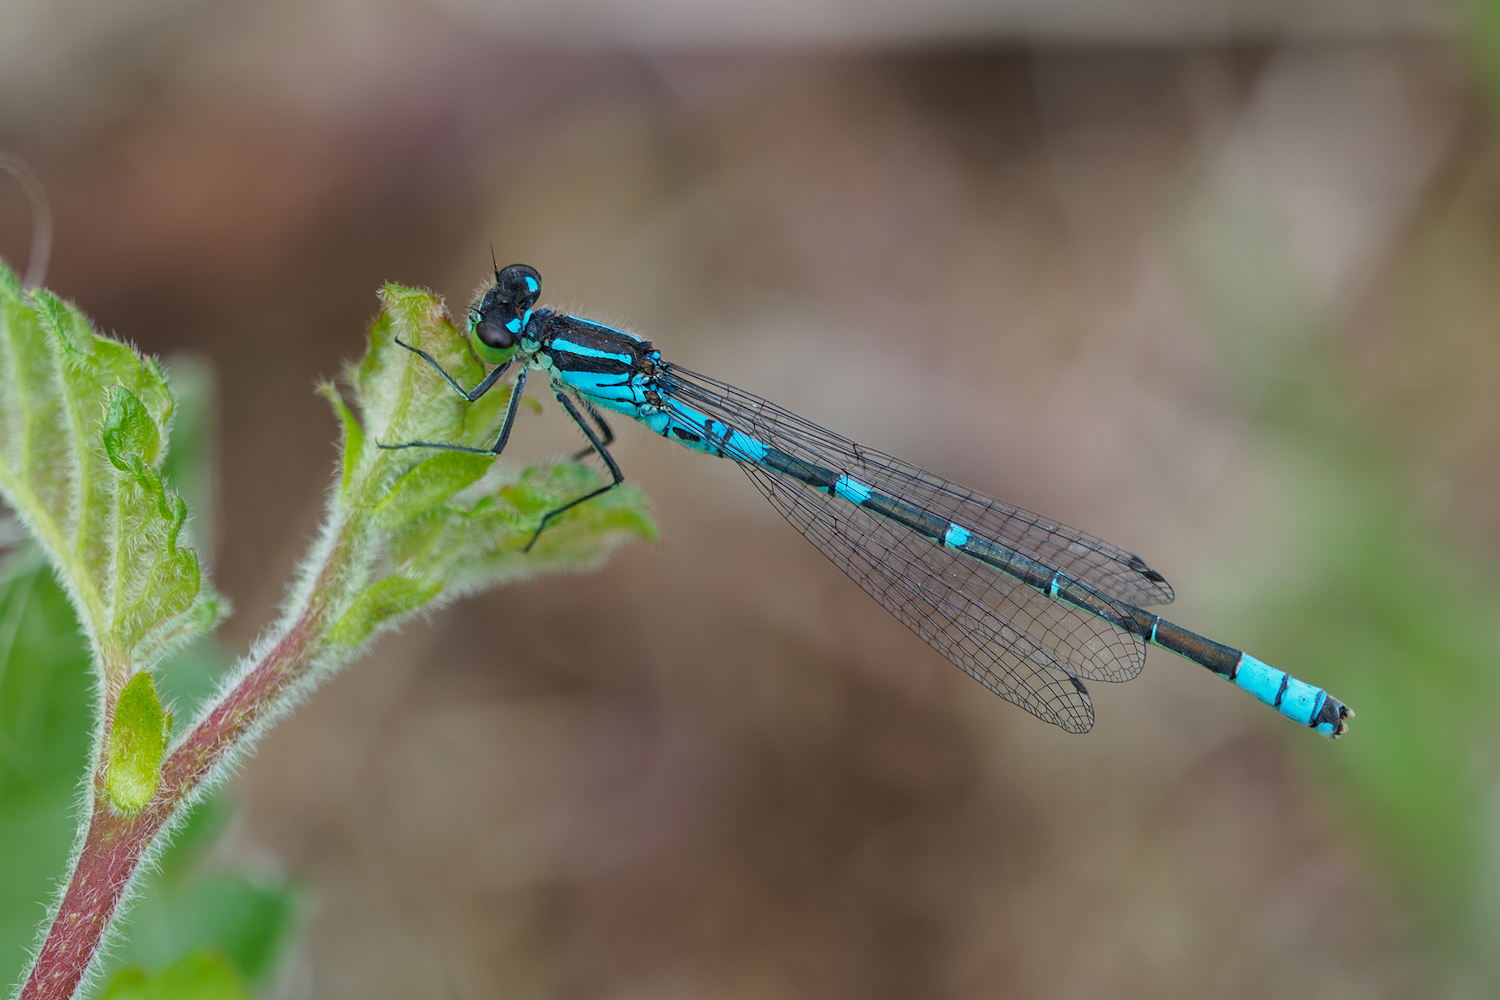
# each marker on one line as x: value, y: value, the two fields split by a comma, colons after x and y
x: 904, y: 573
x: 1106, y: 568
x: 1021, y: 644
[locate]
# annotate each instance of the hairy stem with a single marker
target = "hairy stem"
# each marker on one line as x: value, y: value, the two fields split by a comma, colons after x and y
x: 116, y: 845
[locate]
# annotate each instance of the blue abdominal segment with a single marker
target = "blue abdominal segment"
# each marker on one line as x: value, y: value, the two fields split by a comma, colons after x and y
x: 1294, y: 699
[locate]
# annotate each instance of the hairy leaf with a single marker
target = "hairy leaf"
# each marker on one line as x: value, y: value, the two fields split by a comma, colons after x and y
x: 83, y: 422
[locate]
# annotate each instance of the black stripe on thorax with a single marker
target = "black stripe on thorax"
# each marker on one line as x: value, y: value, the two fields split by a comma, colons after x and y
x: 567, y: 361
x: 591, y: 338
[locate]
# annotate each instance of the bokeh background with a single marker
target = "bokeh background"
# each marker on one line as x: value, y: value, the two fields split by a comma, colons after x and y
x: 1220, y: 283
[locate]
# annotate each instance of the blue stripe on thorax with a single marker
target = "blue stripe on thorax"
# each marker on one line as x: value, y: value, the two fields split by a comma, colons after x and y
x: 559, y: 344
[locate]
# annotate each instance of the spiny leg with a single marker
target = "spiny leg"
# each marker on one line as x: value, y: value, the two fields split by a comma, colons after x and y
x: 510, y: 417
x: 598, y: 447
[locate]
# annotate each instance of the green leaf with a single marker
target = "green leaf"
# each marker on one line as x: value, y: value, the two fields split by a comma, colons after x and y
x: 383, y: 601
x: 83, y: 420
x: 428, y: 484
x: 202, y: 975
x: 137, y: 741
x: 403, y: 397
x: 44, y: 745
x: 353, y: 435
x: 45, y: 691
x: 248, y: 919
x: 478, y: 538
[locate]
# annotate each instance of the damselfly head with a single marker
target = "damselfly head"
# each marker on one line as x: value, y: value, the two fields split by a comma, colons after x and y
x: 502, y: 312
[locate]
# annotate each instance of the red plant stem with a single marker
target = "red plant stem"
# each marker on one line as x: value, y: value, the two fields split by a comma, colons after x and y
x: 115, y: 843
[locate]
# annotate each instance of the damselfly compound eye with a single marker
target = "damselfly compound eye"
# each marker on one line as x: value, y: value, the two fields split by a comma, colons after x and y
x: 494, y: 335
x: 519, y: 286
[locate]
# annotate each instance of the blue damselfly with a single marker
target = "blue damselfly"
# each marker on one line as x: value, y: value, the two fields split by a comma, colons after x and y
x: 1029, y: 607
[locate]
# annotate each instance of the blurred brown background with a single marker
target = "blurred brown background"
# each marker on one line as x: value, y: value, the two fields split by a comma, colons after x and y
x: 995, y: 241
